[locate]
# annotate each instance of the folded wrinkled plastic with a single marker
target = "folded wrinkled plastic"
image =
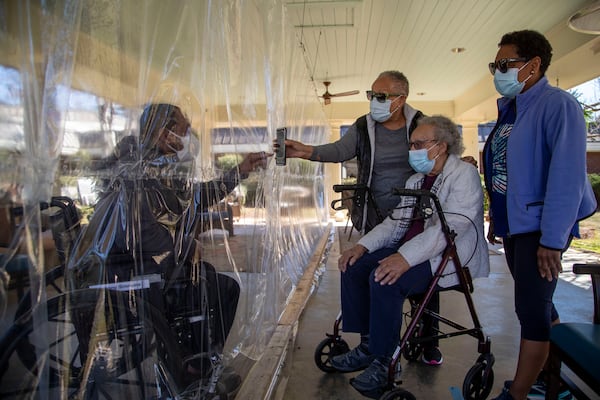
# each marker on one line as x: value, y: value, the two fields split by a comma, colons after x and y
x: 128, y: 270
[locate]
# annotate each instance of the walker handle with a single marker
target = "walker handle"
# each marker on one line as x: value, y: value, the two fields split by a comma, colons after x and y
x: 436, y: 202
x: 414, y: 193
x: 339, y: 188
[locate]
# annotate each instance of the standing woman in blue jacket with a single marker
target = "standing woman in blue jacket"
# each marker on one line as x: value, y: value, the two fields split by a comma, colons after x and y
x: 536, y: 178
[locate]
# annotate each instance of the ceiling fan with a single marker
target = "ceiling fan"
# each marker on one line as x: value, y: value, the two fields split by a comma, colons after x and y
x: 327, y: 96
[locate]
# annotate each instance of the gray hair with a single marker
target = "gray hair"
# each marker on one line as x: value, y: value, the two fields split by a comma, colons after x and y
x: 398, y: 77
x: 445, y: 131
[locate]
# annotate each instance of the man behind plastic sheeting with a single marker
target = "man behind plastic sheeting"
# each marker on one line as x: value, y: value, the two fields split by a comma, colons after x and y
x: 144, y: 225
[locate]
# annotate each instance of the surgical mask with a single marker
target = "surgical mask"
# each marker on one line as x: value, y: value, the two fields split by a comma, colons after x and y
x: 185, y: 144
x: 187, y: 151
x: 419, y: 160
x: 507, y: 83
x: 380, y: 112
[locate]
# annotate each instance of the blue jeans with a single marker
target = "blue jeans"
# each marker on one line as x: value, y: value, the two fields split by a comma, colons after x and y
x: 370, y: 308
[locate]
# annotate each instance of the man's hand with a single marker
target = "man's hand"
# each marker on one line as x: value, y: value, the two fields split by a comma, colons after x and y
x: 491, y: 237
x: 254, y: 161
x: 470, y: 160
x: 390, y: 269
x: 349, y: 257
x: 295, y: 149
x: 549, y: 265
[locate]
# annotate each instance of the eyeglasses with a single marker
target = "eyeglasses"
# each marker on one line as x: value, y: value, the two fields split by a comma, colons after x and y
x: 177, y: 125
x: 381, y: 97
x: 171, y: 123
x: 502, y: 64
x: 420, y: 144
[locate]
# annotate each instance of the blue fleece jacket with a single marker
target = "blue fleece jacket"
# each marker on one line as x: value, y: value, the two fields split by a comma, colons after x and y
x: 547, y: 185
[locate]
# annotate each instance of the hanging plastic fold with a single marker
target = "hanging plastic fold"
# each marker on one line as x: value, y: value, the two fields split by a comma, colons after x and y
x: 149, y: 242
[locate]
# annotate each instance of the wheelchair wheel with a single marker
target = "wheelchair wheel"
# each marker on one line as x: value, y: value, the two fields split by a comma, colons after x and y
x: 329, y: 347
x: 398, y: 394
x: 477, y: 386
x: 127, y: 356
x: 225, y: 389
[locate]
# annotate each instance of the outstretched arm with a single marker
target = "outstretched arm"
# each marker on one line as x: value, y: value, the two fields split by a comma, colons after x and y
x: 295, y: 149
x: 207, y: 194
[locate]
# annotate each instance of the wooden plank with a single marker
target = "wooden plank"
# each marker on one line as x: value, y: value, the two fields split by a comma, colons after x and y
x: 264, y: 375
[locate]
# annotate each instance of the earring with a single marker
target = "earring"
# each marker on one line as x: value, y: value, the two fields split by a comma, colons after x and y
x: 531, y: 73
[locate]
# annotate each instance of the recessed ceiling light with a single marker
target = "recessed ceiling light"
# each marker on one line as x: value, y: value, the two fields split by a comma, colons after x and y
x: 458, y: 50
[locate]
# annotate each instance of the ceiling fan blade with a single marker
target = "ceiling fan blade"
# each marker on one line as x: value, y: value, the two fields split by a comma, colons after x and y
x: 349, y: 93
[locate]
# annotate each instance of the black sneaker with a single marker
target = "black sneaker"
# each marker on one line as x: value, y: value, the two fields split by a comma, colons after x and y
x: 432, y: 356
x: 538, y: 391
x: 373, y: 381
x: 356, y: 359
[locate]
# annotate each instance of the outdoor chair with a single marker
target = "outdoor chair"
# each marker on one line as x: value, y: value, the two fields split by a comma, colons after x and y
x: 577, y: 346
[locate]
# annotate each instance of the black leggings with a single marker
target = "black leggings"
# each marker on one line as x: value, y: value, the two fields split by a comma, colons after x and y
x: 533, y: 294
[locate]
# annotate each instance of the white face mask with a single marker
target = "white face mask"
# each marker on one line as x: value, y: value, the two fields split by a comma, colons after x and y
x: 187, y: 149
x: 176, y: 144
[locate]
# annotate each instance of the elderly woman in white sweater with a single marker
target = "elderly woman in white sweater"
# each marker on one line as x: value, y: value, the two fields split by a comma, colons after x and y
x: 398, y: 257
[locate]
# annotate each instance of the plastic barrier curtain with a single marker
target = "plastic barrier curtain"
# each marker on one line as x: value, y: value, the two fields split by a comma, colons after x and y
x: 149, y: 242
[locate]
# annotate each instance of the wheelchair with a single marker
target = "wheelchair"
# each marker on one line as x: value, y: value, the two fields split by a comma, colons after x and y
x: 136, y: 338
x: 64, y: 223
x: 479, y: 380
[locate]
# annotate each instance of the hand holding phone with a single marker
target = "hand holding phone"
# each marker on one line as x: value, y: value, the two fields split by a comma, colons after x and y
x: 280, y: 151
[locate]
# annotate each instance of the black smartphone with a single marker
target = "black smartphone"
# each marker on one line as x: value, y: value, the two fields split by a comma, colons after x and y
x: 280, y: 154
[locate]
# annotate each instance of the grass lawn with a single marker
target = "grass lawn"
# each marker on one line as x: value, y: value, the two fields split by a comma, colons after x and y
x: 590, y: 234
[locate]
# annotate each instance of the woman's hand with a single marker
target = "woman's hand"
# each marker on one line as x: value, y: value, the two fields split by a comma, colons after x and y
x: 390, y: 269
x: 470, y: 160
x: 349, y: 257
x: 549, y: 265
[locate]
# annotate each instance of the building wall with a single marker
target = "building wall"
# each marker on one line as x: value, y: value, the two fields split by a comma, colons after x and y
x: 593, y: 162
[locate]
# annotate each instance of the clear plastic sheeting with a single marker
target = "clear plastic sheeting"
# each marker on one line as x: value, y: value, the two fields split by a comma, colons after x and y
x: 148, y: 241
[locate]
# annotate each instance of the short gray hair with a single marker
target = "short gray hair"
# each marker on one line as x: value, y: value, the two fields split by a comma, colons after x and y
x: 445, y: 131
x: 398, y: 77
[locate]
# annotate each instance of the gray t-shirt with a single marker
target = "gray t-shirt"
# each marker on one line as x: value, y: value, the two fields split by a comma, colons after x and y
x: 390, y: 169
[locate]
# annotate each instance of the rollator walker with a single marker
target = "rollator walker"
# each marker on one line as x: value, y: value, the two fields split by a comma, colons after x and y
x: 479, y: 380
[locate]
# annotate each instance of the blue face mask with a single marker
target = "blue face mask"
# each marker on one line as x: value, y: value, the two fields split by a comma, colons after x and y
x: 507, y: 83
x: 380, y: 112
x: 419, y: 160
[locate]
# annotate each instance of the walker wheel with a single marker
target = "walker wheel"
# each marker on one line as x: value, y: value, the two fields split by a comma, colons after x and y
x: 477, y: 385
x: 398, y: 394
x: 329, y: 347
x: 412, y: 351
